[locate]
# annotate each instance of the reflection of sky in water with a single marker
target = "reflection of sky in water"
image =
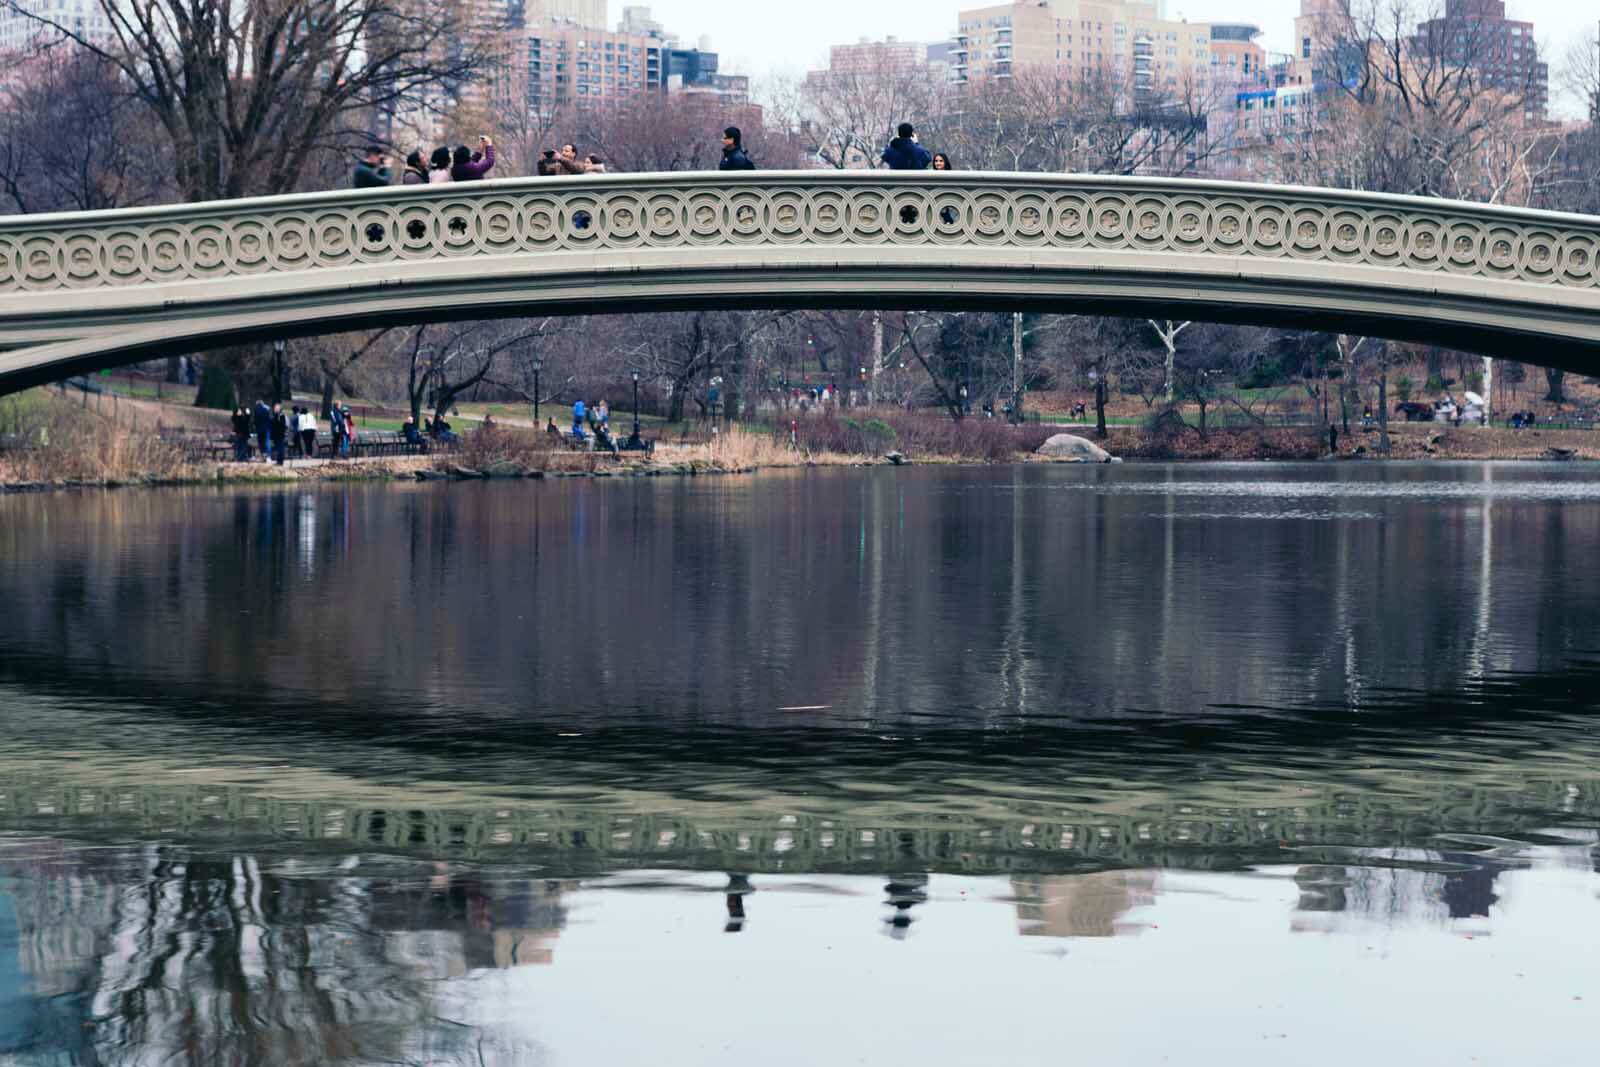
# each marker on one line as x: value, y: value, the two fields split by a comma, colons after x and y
x: 444, y: 962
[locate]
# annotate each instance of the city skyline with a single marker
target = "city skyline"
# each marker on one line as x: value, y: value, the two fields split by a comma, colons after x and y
x: 742, y: 33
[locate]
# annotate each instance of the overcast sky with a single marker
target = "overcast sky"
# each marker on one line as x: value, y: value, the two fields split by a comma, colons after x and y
x: 760, y: 37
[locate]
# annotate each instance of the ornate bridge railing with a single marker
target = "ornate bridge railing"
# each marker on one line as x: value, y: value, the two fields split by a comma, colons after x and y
x: 117, y: 285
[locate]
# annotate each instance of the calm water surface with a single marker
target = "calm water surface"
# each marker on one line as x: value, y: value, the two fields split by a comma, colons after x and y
x: 1200, y: 764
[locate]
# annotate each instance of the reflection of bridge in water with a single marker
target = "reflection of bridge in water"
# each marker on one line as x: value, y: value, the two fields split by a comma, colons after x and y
x: 85, y: 291
x: 1321, y: 827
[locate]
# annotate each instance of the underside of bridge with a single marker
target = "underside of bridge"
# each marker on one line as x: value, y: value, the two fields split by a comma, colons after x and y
x: 81, y: 293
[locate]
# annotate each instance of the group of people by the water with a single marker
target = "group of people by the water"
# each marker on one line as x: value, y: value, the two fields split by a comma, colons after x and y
x: 277, y: 432
x: 464, y: 164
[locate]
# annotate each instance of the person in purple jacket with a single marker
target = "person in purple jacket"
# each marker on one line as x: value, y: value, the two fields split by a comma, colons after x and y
x: 465, y: 169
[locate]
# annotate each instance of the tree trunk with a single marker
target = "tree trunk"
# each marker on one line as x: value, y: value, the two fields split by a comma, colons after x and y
x: 327, y: 397
x: 1100, y: 409
x: 1435, y: 369
x: 1383, y: 401
x: 1016, y: 367
x: 1555, y: 378
x: 877, y: 357
x: 174, y: 369
x: 1488, y: 389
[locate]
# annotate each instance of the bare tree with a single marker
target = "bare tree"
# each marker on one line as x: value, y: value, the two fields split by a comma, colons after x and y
x: 71, y: 138
x: 248, y: 91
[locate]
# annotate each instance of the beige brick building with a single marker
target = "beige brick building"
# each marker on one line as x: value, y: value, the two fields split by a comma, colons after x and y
x: 1129, y: 40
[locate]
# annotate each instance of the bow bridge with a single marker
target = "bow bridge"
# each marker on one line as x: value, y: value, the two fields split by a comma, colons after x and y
x: 80, y: 292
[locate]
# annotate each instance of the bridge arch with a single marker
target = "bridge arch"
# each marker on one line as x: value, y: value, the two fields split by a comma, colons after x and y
x: 85, y: 291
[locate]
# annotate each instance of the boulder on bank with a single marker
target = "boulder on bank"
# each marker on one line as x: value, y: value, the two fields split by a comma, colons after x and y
x: 1064, y: 446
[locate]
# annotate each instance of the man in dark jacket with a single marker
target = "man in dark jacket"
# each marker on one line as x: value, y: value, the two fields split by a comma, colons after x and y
x: 904, y: 153
x: 373, y: 171
x: 262, y: 416
x: 734, y: 156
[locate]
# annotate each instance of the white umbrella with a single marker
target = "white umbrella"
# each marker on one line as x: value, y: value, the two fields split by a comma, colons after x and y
x: 1475, y: 399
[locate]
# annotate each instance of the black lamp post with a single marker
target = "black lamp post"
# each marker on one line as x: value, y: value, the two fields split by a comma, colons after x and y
x: 278, y: 347
x: 634, y: 441
x: 538, y: 365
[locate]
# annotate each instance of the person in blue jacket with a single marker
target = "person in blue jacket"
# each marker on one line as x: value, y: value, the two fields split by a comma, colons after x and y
x: 904, y: 153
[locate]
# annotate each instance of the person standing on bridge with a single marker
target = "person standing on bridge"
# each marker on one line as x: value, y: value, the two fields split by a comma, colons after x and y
x: 734, y: 157
x: 465, y: 169
x: 439, y: 166
x: 416, y: 172
x: 941, y: 162
x: 904, y: 153
x: 373, y: 171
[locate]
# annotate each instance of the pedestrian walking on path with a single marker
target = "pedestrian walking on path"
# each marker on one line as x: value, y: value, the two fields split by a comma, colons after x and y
x: 734, y: 157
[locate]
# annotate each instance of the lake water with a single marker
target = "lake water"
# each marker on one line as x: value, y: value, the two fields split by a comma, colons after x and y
x: 1140, y: 764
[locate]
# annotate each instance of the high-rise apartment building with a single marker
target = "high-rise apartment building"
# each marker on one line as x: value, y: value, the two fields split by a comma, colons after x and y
x: 1476, y: 35
x: 20, y: 32
x: 1130, y: 40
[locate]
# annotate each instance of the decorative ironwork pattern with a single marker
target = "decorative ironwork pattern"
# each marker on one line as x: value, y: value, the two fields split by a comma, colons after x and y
x: 641, y: 212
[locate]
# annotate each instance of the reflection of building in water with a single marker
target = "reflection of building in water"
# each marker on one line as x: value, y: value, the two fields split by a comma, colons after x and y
x: 1081, y: 905
x: 1439, y: 887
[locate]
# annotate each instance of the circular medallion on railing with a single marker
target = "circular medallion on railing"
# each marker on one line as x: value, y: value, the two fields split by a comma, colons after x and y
x: 1308, y: 232
x: 166, y: 253
x: 830, y: 213
x: 868, y: 220
x: 747, y: 217
x: 665, y: 221
x: 458, y: 230
x: 9, y: 273
x: 415, y: 234
x: 1186, y: 225
x: 378, y: 233
x: 706, y: 212
x: 581, y: 215
x: 541, y: 223
x: 1425, y: 242
x: 1074, y: 219
x: 211, y: 246
x: 622, y: 220
x: 948, y: 216
x: 1030, y: 217
x: 1270, y: 226
x: 786, y: 219
x: 1230, y: 227
x: 80, y: 260
x: 291, y: 243
x: 1152, y: 223
x: 37, y: 266
x: 1580, y: 258
x: 1540, y: 257
x: 499, y: 226
x: 908, y: 216
x: 989, y: 217
x: 1465, y: 247
x: 1108, y: 220
x: 1347, y: 235
x: 251, y: 243
x: 1388, y: 240
x: 336, y: 242
x: 1502, y: 252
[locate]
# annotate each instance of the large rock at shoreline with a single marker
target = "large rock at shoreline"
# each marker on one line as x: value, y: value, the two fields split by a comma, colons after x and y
x: 1065, y: 446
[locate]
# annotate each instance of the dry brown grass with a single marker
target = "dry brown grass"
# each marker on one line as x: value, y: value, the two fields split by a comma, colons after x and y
x: 56, y: 441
